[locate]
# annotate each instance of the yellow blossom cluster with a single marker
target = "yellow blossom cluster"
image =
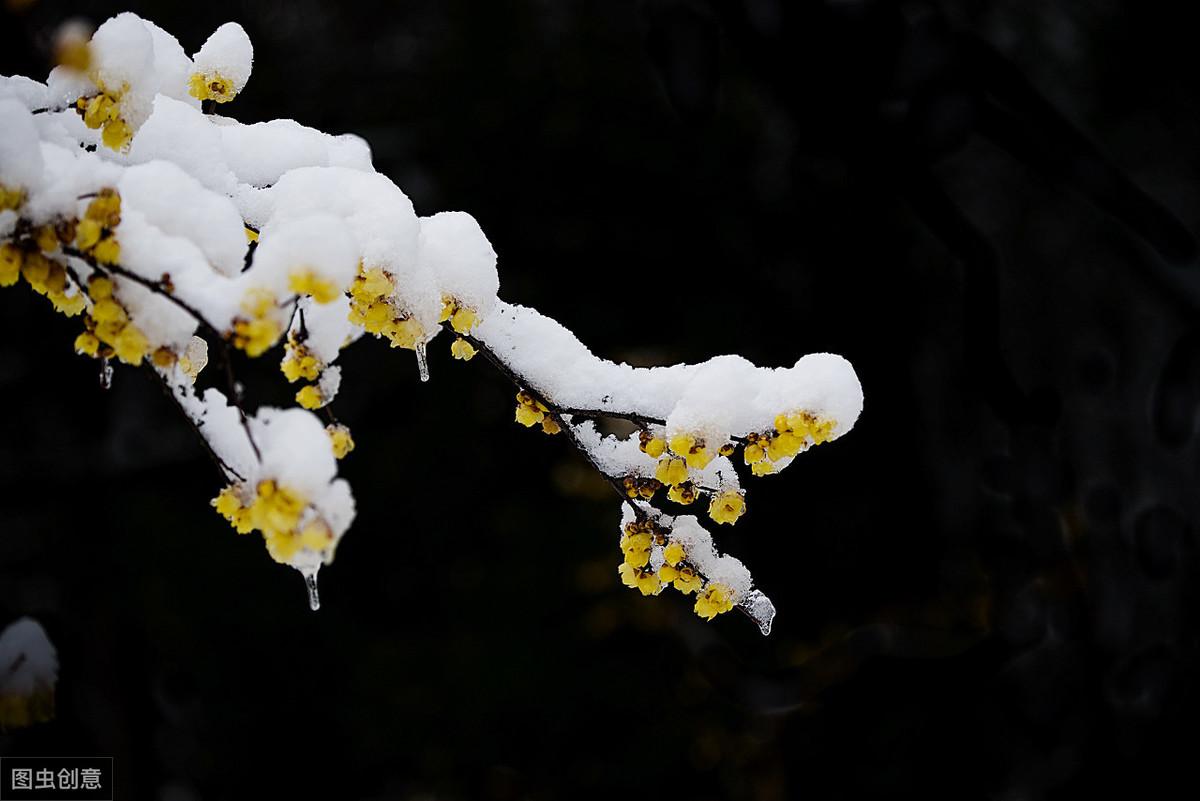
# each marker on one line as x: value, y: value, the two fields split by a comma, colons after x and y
x: 639, y: 487
x: 299, y: 362
x: 95, y: 234
x: 371, y: 308
x: 259, y: 329
x: 716, y: 599
x: 531, y: 411
x: 104, y: 111
x: 211, y: 86
x: 44, y: 276
x: 791, y: 436
x: 637, y: 539
x: 108, y: 330
x: 277, y: 512
x: 462, y: 318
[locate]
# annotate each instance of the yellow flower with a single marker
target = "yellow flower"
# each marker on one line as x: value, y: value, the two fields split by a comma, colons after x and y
x: 550, y: 426
x: 671, y: 471
x: 46, y: 238
x: 11, y: 198
x: 684, y: 578
x: 107, y: 250
x: 229, y: 505
x: 316, y: 536
x: 36, y: 270
x: 131, y: 345
x: 463, y: 320
x: 107, y: 310
x: 86, y: 344
x: 528, y: 416
x: 727, y: 507
x: 11, y: 259
x: 255, y: 337
x: 276, y: 509
x: 97, y: 110
x: 21, y: 709
x: 784, y: 445
x: 100, y: 288
x: 644, y: 581
x: 310, y: 397
x: 298, y: 362
x: 674, y: 553
x: 693, y: 450
x: 309, y: 282
x: 373, y: 284
x: 684, y: 493
x: 339, y: 437
x: 163, y: 357
x: 211, y: 86
x: 404, y: 333
x: 715, y: 600
x: 636, y: 548
x: 763, y: 467
x: 105, y: 208
x: 651, y: 445
x: 462, y: 349
x: 117, y: 134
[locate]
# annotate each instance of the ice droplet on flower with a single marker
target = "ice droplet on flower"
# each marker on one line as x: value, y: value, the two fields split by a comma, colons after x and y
x: 314, y: 597
x: 422, y: 361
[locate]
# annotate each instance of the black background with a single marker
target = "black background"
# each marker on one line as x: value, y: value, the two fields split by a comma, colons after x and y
x: 986, y: 590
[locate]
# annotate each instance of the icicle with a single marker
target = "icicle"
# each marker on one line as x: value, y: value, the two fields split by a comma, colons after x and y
x: 314, y: 597
x: 106, y: 374
x: 760, y: 608
x: 422, y: 362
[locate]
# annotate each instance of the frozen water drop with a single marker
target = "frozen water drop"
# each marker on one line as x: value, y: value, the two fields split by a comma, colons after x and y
x: 422, y: 361
x: 760, y: 609
x: 314, y: 597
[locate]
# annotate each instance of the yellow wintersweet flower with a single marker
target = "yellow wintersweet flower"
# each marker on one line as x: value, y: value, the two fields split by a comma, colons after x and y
x: 339, y: 437
x: 462, y: 349
x: 692, y: 449
x: 671, y: 471
x: 404, y: 333
x: 550, y: 426
x: 651, y: 445
x: 715, y: 600
x: 131, y: 345
x: 636, y: 548
x: 645, y: 581
x: 11, y: 198
x: 753, y: 453
x: 255, y: 337
x: 373, y: 284
x: 315, y: 536
x: 100, y: 288
x: 11, y: 259
x: 229, y: 505
x: 298, y: 362
x: 463, y: 320
x: 763, y: 467
x: 211, y: 86
x: 35, y: 269
x: 528, y: 416
x: 684, y: 493
x: 684, y: 578
x: 276, y: 509
x: 164, y: 357
x: 309, y: 282
x: 107, y: 310
x: 86, y: 344
x: 21, y: 709
x: 310, y: 397
x: 784, y: 445
x: 281, y: 545
x: 674, y: 553
x: 46, y: 238
x: 117, y: 134
x: 107, y: 250
x: 727, y: 507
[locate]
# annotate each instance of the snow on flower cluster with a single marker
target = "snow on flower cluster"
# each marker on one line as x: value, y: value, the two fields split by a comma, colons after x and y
x: 28, y: 675
x: 170, y: 230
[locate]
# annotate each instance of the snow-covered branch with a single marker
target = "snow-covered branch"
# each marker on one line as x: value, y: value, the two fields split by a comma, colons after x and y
x: 170, y: 229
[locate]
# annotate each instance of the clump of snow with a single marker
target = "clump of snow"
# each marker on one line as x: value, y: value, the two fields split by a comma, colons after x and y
x: 228, y: 54
x: 28, y: 660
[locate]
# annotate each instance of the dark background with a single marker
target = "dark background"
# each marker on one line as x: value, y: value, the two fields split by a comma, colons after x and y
x: 988, y: 589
